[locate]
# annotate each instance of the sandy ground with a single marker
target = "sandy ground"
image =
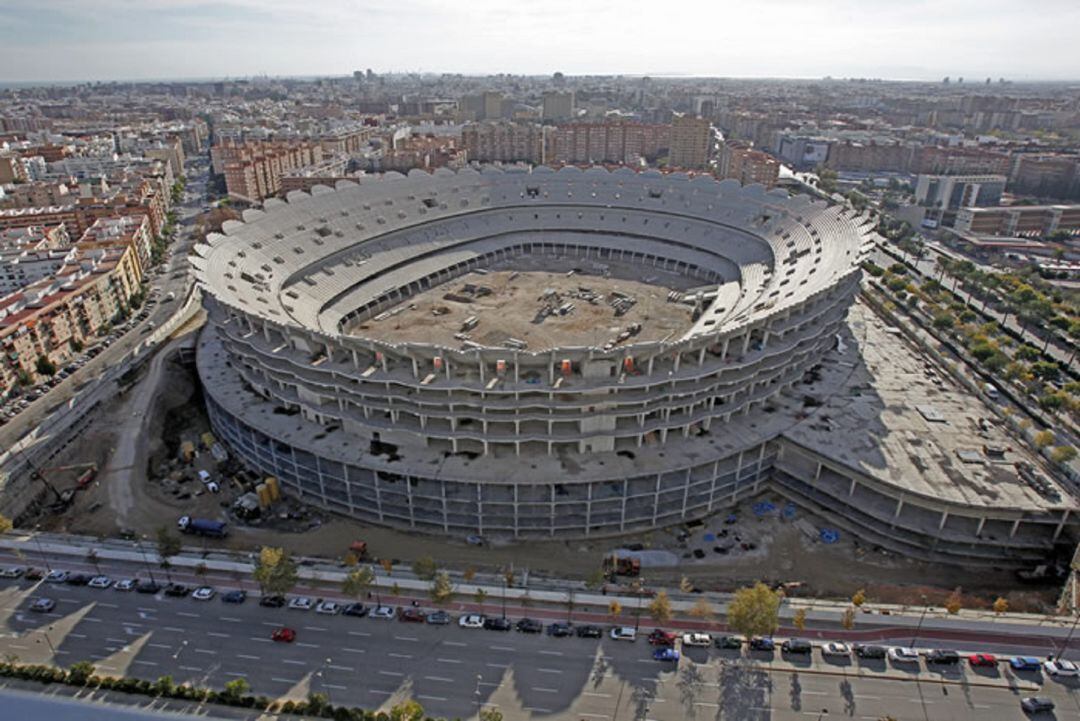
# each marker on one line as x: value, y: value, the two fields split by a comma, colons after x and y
x: 509, y: 311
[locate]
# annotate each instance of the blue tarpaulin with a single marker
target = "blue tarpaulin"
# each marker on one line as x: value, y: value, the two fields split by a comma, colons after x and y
x: 763, y: 507
x: 829, y: 535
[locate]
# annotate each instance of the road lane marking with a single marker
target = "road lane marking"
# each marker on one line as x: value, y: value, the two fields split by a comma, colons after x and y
x: 271, y: 623
x: 497, y: 665
x: 185, y: 614
x: 815, y: 693
x: 537, y: 709
x: 362, y: 634
x: 76, y: 635
x: 405, y: 638
x: 307, y: 645
x: 340, y: 668
x: 191, y: 668
x: 208, y: 651
x: 541, y: 689
x: 261, y: 640
x: 284, y: 680
x: 592, y: 715
x: 229, y: 619
x: 354, y: 650
x: 448, y: 660
x: 154, y: 645
x: 173, y: 629
x: 380, y: 692
x: 215, y: 634
x: 90, y: 619
x: 116, y: 640
x: 399, y: 655
x: 335, y: 686
x: 314, y: 628
x: 502, y: 648
x: 455, y: 643
x: 292, y: 662
x: 549, y: 670
x: 595, y: 694
x: 431, y: 698
x: 391, y: 673
x: 440, y: 679
x: 107, y: 605
x: 235, y: 673
x: 69, y: 600
x: 247, y: 656
x: 551, y: 653
x: 707, y: 703
x: 872, y: 698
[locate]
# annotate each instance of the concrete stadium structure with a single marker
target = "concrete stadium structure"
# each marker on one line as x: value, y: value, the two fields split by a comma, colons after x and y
x: 558, y: 442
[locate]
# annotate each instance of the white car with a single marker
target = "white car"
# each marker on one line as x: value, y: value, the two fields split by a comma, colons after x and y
x: 301, y: 603
x: 56, y: 577
x: 903, y: 654
x: 328, y: 607
x: 12, y: 572
x: 1061, y: 667
x: 623, y: 633
x: 386, y: 613
x: 693, y: 639
x: 100, y: 582
x: 472, y: 620
x: 203, y: 593
x: 835, y: 648
x: 125, y: 584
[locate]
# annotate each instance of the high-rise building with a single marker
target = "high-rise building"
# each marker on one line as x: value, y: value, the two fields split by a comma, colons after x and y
x: 558, y: 105
x: 1046, y: 176
x: 950, y: 192
x: 690, y: 140
x: 609, y: 142
x: 504, y: 142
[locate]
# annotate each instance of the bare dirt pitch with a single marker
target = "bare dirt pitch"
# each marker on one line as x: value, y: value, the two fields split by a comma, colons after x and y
x: 542, y: 301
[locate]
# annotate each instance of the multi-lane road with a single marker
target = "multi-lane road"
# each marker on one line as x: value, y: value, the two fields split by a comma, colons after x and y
x: 453, y: 671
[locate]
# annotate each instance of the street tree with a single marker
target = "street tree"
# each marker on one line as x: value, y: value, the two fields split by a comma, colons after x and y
x: 595, y: 579
x: 660, y: 608
x: 847, y: 618
x: 1062, y: 454
x: 168, y: 545
x: 1043, y: 439
x: 5, y: 524
x: 468, y: 574
x: 237, y: 689
x: 480, y: 596
x: 275, y: 571
x: 685, y: 585
x: 358, y: 581
x: 754, y: 610
x: 702, y: 609
x: 387, y: 565
x: 954, y: 602
x: 425, y: 568
x: 92, y: 559
x: 799, y: 619
x: 859, y: 598
x: 1001, y: 605
x: 407, y: 711
x: 442, y: 590
x: 491, y: 714
x: 614, y: 609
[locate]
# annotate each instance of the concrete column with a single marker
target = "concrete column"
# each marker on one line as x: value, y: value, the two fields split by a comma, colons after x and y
x: 899, y: 507
x: 656, y: 499
x: 701, y: 356
x: 817, y: 473
x: 1061, y: 524
x: 651, y: 358
x: 678, y: 357
x: 723, y: 353
x: 944, y: 518
x: 480, y: 367
x: 355, y: 359
x: 982, y: 522
x: 1015, y: 528
x: 479, y: 512
x: 746, y: 342
x: 851, y: 491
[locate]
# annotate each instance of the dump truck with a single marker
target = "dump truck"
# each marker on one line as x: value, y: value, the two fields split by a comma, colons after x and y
x: 616, y: 565
x: 202, y: 527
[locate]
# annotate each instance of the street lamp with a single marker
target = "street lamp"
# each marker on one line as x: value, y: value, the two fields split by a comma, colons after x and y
x: 179, y: 648
x: 48, y: 640
x: 1065, y: 644
x: 639, y: 588
x: 319, y: 674
x: 37, y: 541
x: 146, y: 562
x: 918, y: 627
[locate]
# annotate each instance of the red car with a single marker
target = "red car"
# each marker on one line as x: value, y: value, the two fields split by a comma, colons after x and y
x: 660, y: 637
x: 411, y: 615
x: 284, y: 635
x: 982, y: 659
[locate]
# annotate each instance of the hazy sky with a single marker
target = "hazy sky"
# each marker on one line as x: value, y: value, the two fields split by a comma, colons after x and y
x: 901, y: 39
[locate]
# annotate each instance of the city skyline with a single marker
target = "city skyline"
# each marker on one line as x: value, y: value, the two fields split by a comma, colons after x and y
x: 186, y: 39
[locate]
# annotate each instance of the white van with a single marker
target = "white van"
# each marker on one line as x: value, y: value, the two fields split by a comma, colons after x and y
x: 623, y: 633
x: 991, y: 392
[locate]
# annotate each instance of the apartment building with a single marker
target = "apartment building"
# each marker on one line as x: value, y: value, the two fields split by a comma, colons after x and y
x: 253, y: 170
x: 691, y: 139
x: 934, y: 160
x: 741, y: 162
x: 558, y: 106
x: 1019, y: 220
x: 127, y: 230
x: 1046, y: 176
x: 504, y: 142
x: 950, y: 192
x: 626, y: 143
x: 36, y: 194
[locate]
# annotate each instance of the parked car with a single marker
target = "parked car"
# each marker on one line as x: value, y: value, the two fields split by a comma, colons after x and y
x: 56, y: 577
x: 1061, y: 667
x: 471, y: 620
x: 796, y: 646
x: 1025, y: 663
x: 355, y: 609
x: 590, y: 631
x: 439, y: 618
x: 410, y: 615
x: 34, y: 574
x: 385, y: 613
x: 148, y: 587
x: 43, y: 605
x: 903, y: 654
x: 235, y: 596
x: 203, y: 593
x: 982, y: 659
x: 529, y: 625
x: 283, y: 635
x: 943, y: 657
x: 869, y: 651
x: 12, y: 572
x: 328, y: 608
x: 730, y: 643
x: 1036, y: 704
x: 272, y: 601
x: 660, y: 637
x: 835, y: 648
x: 666, y: 654
x: 497, y: 623
x: 560, y: 630
x: 125, y: 584
x: 301, y: 603
x: 100, y: 582
x: 623, y: 633
x: 761, y: 643
x: 177, y: 590
x: 700, y: 640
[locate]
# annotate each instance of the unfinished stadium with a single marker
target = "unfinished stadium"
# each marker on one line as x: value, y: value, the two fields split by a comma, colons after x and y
x: 566, y: 354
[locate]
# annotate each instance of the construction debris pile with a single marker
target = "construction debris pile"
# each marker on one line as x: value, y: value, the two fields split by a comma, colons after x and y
x: 555, y: 303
